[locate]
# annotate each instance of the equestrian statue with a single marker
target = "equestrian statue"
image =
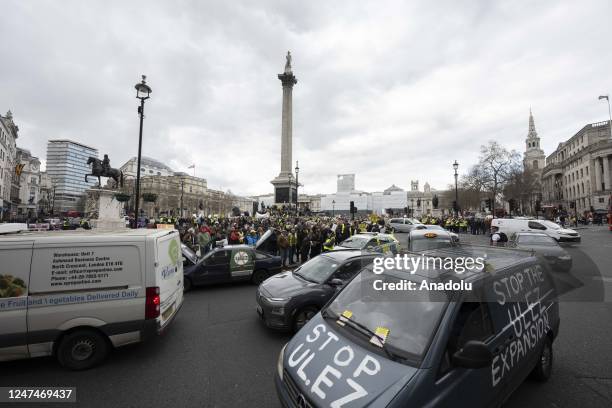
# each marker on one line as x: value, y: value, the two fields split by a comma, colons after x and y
x: 102, y: 168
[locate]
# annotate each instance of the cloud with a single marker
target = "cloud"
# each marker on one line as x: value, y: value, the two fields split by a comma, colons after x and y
x: 392, y: 91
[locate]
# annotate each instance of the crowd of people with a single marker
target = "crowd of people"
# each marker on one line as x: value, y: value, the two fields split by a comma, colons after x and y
x: 298, y: 238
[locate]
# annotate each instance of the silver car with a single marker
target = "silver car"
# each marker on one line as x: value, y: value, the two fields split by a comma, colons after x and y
x: 404, y: 224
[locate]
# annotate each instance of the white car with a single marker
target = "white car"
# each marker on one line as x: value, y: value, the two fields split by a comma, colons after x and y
x: 510, y: 226
x: 368, y: 241
x: 404, y: 224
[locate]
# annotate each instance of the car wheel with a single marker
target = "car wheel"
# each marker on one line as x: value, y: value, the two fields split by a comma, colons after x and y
x: 82, y: 349
x: 187, y: 285
x: 543, y: 369
x: 303, y: 316
x: 259, y: 276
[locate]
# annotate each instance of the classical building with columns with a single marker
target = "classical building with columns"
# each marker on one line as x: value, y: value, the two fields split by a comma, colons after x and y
x: 578, y: 172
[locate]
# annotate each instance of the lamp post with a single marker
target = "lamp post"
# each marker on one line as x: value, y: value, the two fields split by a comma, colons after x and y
x: 142, y: 92
x: 455, y: 167
x: 182, y: 192
x: 297, y: 196
x: 607, y: 98
x: 290, y: 192
x: 333, y: 208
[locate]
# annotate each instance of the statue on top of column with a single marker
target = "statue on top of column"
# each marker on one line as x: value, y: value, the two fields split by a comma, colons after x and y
x: 288, y: 63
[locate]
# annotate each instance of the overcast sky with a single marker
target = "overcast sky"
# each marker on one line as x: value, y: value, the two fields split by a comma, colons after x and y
x: 390, y: 90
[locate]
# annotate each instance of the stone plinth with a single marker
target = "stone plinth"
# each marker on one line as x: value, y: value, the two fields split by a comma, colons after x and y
x: 103, y: 210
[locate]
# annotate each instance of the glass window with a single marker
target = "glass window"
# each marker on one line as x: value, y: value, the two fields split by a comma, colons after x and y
x: 411, y: 320
x: 355, y: 242
x: 317, y: 270
x: 535, y: 239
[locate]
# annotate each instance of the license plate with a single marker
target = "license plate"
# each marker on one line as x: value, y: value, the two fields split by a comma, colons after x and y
x: 168, y: 312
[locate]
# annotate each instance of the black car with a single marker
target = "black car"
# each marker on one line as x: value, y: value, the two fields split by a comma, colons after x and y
x: 228, y: 264
x: 545, y: 246
x: 289, y: 300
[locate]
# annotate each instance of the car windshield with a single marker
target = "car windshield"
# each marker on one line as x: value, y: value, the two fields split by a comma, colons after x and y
x: 317, y: 270
x: 550, y: 224
x: 188, y: 253
x: 411, y: 319
x: 436, y: 227
x: 355, y: 242
x: 536, y: 239
x: 426, y: 244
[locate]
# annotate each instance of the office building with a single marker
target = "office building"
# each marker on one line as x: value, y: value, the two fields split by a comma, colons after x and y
x: 67, y: 167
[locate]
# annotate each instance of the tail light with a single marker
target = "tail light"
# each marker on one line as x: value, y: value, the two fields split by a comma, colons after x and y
x: 152, y: 303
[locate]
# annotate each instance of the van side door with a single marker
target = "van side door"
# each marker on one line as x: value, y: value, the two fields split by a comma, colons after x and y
x: 15, y: 259
x: 456, y: 386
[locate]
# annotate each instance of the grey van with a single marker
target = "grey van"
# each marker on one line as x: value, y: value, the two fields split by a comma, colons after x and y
x: 457, y: 340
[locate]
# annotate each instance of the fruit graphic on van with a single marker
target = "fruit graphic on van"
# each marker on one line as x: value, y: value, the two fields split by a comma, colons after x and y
x: 11, y: 286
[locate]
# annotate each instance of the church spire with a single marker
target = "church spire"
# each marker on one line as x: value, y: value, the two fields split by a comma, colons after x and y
x: 532, y: 134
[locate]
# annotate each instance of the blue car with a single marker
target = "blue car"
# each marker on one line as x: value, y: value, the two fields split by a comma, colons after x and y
x: 228, y: 264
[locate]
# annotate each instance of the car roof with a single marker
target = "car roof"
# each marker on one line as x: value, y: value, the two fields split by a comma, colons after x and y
x: 419, y: 233
x: 542, y: 234
x: 499, y: 260
x: 372, y: 234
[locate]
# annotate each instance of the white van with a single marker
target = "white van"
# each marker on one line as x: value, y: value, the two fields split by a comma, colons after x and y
x: 76, y: 294
x: 511, y: 226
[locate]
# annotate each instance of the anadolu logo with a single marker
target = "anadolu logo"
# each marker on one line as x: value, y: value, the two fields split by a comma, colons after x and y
x: 173, y: 251
x: 241, y: 258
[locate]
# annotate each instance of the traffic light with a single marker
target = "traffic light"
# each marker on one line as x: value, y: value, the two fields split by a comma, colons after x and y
x: 352, y: 207
x: 405, y: 210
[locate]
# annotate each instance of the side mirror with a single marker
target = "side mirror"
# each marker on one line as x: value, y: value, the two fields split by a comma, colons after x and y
x: 336, y: 282
x: 474, y: 354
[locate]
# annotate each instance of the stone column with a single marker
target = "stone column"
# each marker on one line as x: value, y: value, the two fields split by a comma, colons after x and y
x: 288, y: 80
x: 597, y: 169
x: 606, y: 172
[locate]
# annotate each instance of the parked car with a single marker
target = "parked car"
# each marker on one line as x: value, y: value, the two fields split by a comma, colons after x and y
x: 404, y: 224
x: 427, y: 347
x: 289, y: 300
x: 546, y: 247
x: 510, y: 226
x: 371, y: 241
x: 228, y: 264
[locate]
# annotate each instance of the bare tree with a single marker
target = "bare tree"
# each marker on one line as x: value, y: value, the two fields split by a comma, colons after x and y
x: 495, y: 169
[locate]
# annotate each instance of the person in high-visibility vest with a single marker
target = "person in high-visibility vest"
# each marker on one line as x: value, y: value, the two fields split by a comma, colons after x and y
x: 329, y: 243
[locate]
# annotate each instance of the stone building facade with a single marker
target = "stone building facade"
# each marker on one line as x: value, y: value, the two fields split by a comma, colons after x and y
x: 28, y: 181
x: 578, y: 172
x: 8, y: 153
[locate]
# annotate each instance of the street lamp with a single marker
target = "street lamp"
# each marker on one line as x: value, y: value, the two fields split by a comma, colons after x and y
x: 333, y: 208
x: 297, y: 196
x: 607, y: 98
x: 455, y: 167
x: 142, y: 92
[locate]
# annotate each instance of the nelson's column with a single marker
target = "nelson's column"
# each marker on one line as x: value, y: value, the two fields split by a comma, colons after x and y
x: 284, y: 183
